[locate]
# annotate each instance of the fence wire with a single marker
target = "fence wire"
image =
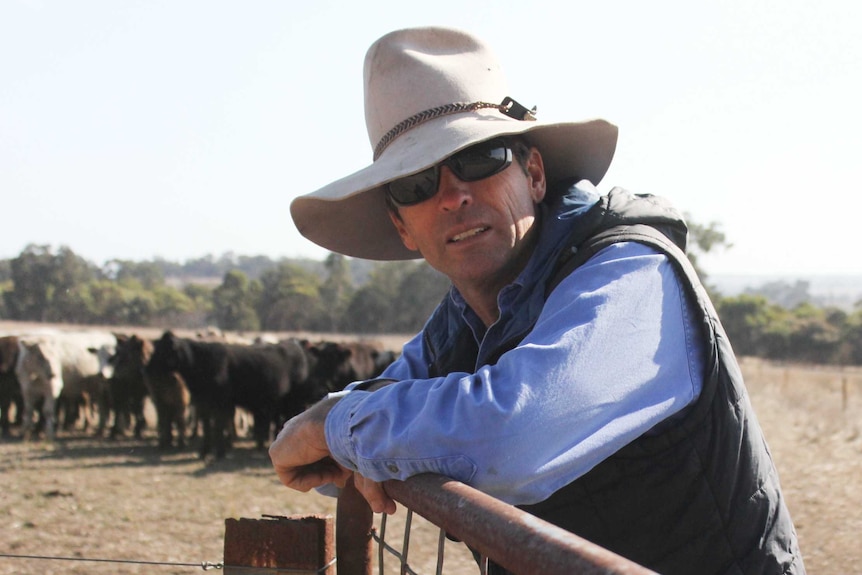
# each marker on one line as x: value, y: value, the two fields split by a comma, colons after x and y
x: 383, y: 547
x: 204, y: 565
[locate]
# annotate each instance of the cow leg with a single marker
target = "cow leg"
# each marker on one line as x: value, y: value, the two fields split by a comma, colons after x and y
x: 102, y: 405
x: 141, y: 421
x: 19, y: 410
x: 48, y: 410
x: 180, y: 422
x: 87, y: 408
x: 118, y: 429
x: 262, y: 423
x: 5, y: 403
x: 27, y: 419
x: 205, y: 420
x: 66, y: 411
x: 222, y: 427
x: 163, y: 425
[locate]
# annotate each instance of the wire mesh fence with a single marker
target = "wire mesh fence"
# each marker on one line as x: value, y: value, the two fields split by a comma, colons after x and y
x: 496, y: 533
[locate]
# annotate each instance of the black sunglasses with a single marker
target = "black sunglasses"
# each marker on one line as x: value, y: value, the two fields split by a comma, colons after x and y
x: 475, y: 163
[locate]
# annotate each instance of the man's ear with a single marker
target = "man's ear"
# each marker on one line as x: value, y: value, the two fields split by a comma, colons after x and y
x: 406, y: 239
x: 535, y: 168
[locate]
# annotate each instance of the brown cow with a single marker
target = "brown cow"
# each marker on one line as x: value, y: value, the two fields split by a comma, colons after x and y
x: 10, y: 389
x: 128, y: 386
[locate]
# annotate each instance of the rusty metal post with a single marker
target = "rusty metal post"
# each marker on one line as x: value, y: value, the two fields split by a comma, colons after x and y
x: 516, y: 540
x: 353, y: 524
x: 297, y: 543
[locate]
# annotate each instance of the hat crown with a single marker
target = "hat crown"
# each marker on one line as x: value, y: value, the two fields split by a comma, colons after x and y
x: 409, y: 72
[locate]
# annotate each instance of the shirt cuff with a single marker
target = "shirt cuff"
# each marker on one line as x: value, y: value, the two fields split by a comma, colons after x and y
x: 337, y: 427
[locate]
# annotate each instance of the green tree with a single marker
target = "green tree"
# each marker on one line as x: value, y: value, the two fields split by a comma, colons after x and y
x: 369, y: 311
x: 234, y: 303
x: 32, y: 289
x: 149, y: 274
x: 372, y: 308
x: 755, y: 327
x: 419, y: 292
x: 5, y: 286
x: 200, y: 295
x: 45, y: 285
x: 290, y: 300
x: 703, y: 239
x: 398, y: 298
x: 106, y: 301
x: 852, y: 338
x: 815, y: 337
x: 336, y: 291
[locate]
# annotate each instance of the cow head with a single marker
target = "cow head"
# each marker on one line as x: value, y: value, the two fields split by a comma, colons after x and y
x: 8, y: 353
x: 106, y: 355
x: 132, y: 355
x: 169, y: 353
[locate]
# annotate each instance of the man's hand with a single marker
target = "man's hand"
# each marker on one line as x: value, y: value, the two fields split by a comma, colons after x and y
x: 300, y: 455
x: 303, y: 461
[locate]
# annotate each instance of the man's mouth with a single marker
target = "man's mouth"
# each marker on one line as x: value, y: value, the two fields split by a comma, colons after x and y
x: 468, y: 234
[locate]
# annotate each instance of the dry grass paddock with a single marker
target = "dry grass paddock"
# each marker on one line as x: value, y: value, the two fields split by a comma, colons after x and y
x: 86, y: 498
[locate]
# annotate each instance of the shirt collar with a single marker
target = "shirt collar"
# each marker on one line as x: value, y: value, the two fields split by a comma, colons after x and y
x: 555, y: 221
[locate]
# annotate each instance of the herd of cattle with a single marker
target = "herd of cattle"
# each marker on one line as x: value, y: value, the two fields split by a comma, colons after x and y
x: 100, y: 381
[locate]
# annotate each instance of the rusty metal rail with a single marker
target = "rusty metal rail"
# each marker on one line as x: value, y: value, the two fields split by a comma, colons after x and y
x: 514, y: 539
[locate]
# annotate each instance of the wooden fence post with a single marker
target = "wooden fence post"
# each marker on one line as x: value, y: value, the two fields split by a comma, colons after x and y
x: 297, y: 543
x: 353, y: 541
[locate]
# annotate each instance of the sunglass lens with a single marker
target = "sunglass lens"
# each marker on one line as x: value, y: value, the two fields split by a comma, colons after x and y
x: 475, y: 163
x: 480, y: 162
x: 414, y: 189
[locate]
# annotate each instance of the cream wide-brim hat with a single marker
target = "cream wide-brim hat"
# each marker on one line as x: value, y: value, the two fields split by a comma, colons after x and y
x: 430, y: 92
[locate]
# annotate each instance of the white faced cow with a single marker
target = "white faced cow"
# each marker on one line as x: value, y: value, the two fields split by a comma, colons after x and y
x: 60, y: 363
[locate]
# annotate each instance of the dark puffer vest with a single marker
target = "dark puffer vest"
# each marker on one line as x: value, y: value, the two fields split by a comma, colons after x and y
x: 699, y: 494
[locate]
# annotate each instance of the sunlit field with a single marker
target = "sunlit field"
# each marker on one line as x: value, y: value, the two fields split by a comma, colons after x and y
x: 153, y: 512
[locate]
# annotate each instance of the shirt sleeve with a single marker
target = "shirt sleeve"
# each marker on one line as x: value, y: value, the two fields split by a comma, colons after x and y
x: 614, y: 352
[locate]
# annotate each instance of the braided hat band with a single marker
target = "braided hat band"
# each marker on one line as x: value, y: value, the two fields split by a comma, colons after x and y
x: 508, y: 107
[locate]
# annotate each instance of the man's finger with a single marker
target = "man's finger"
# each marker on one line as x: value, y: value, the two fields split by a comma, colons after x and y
x: 374, y: 494
x: 307, y: 477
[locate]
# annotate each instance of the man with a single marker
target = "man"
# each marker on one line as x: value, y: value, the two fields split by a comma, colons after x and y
x: 576, y: 368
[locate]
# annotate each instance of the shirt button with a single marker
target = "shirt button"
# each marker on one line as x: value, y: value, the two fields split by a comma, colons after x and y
x: 392, y: 468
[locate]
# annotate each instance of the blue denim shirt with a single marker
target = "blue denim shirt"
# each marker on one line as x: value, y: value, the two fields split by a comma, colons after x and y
x: 615, y: 352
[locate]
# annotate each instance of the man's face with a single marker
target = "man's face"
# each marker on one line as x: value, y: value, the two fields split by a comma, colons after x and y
x: 477, y: 233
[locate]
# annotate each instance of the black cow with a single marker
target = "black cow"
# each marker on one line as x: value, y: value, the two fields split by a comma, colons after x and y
x: 301, y: 363
x: 336, y: 364
x: 222, y: 376
x: 128, y: 387
x: 10, y: 388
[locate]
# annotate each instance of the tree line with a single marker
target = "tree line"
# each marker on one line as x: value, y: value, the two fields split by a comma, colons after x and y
x: 343, y: 295
x: 233, y: 293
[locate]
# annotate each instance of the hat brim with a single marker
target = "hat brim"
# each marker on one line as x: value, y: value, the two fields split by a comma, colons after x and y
x: 349, y: 216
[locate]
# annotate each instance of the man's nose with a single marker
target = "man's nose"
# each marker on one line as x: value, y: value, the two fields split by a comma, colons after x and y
x: 452, y: 192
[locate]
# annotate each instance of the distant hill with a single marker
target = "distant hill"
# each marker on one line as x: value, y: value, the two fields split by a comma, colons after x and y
x: 825, y: 291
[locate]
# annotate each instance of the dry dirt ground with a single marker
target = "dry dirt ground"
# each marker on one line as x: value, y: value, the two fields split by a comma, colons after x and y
x: 85, y: 499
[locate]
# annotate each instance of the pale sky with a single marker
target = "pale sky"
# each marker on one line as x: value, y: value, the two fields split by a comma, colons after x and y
x: 177, y: 129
